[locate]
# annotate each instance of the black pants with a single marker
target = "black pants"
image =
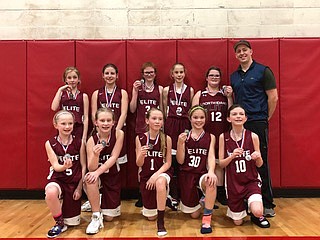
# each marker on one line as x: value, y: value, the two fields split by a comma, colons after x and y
x: 261, y: 129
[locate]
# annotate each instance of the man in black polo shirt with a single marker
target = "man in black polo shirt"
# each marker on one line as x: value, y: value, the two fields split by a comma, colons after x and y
x: 254, y: 88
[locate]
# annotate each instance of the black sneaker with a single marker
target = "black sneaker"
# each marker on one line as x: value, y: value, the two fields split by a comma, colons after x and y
x: 172, y: 203
x: 260, y: 222
x: 205, y: 229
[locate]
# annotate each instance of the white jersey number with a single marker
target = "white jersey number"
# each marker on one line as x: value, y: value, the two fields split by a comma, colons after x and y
x: 194, y: 161
x: 216, y: 116
x: 240, y: 166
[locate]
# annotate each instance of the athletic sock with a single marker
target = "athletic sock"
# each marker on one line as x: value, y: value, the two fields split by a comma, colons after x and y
x: 59, y: 220
x: 206, y: 221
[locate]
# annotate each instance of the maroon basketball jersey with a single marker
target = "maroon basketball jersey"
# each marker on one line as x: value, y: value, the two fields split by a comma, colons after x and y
x: 240, y: 171
x: 74, y: 104
x: 196, y: 154
x: 154, y: 159
x: 178, y: 105
x: 105, y: 154
x: 70, y: 175
x: 110, y: 100
x: 146, y: 101
x: 217, y: 109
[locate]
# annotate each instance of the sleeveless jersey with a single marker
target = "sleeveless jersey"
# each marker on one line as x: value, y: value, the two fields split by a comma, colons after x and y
x: 105, y: 154
x: 112, y: 101
x: 70, y: 175
x: 154, y: 159
x: 146, y: 101
x: 196, y: 154
x: 240, y: 171
x: 178, y: 106
x: 217, y: 109
x: 73, y: 105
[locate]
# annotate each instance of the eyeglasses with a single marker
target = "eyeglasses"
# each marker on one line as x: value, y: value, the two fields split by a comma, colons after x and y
x: 148, y: 73
x: 214, y: 75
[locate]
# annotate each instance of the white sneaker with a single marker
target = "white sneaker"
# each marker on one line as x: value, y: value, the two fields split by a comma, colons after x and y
x: 95, y: 224
x: 86, y: 207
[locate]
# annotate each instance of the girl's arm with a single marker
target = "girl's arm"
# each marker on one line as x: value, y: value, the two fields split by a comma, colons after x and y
x: 124, y: 109
x: 191, y: 94
x: 141, y: 152
x: 134, y: 99
x: 54, y: 160
x: 161, y: 101
x: 56, y: 100
x: 94, y: 100
x: 85, y: 117
x: 165, y: 100
x: 223, y: 162
x: 180, y: 155
x: 196, y: 99
x: 93, y: 152
x: 256, y: 155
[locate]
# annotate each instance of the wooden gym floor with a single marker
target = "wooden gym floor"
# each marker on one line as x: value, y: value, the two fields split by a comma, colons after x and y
x: 294, y: 217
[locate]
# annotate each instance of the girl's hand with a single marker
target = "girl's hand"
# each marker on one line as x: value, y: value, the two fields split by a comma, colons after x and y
x: 97, y: 149
x: 211, y: 179
x: 151, y: 183
x: 237, y: 152
x: 182, y: 137
x: 137, y: 84
x: 67, y: 163
x: 228, y: 91
x: 255, y: 155
x: 144, y: 150
x: 65, y: 87
x: 91, y: 177
x: 77, y: 193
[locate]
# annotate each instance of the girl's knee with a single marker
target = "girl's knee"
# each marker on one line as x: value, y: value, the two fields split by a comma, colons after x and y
x: 238, y: 222
x: 152, y: 218
x: 108, y: 218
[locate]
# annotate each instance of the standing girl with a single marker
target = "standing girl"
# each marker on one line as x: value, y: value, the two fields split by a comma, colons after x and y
x: 111, y: 96
x: 153, y: 155
x: 146, y: 94
x: 177, y: 100
x: 103, y: 149
x: 68, y: 97
x: 239, y: 154
x: 216, y: 101
x: 195, y: 153
x: 66, y: 154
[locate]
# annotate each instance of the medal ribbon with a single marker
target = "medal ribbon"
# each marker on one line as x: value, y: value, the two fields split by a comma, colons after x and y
x: 178, y: 101
x: 65, y: 148
x: 108, y: 140
x: 198, y: 138
x: 242, y: 138
x: 109, y: 101
x: 148, y: 139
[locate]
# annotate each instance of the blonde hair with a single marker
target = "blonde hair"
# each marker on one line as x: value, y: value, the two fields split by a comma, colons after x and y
x: 197, y: 107
x: 60, y: 113
x: 68, y: 70
x: 163, y: 137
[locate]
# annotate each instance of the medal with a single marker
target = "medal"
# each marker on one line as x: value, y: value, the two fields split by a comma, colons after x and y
x: 223, y: 89
x: 103, y: 142
x: 186, y: 131
x: 142, y: 81
x: 248, y: 157
x: 70, y: 95
x: 150, y: 146
x: 66, y: 156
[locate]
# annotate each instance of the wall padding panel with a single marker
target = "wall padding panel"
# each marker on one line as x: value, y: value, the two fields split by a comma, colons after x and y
x: 198, y: 56
x: 46, y: 61
x: 163, y: 54
x: 13, y: 117
x: 299, y: 103
x: 266, y: 51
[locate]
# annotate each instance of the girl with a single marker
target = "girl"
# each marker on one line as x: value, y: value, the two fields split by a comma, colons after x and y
x: 146, y: 93
x: 177, y: 100
x: 111, y: 96
x: 195, y: 153
x: 68, y: 97
x: 103, y: 149
x: 66, y: 154
x: 239, y: 154
x: 216, y: 101
x: 153, y: 156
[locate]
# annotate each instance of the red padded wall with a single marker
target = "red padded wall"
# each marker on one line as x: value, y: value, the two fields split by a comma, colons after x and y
x: 46, y: 61
x: 266, y: 51
x: 163, y: 54
x: 198, y: 56
x: 13, y: 117
x: 91, y: 56
x: 299, y: 102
